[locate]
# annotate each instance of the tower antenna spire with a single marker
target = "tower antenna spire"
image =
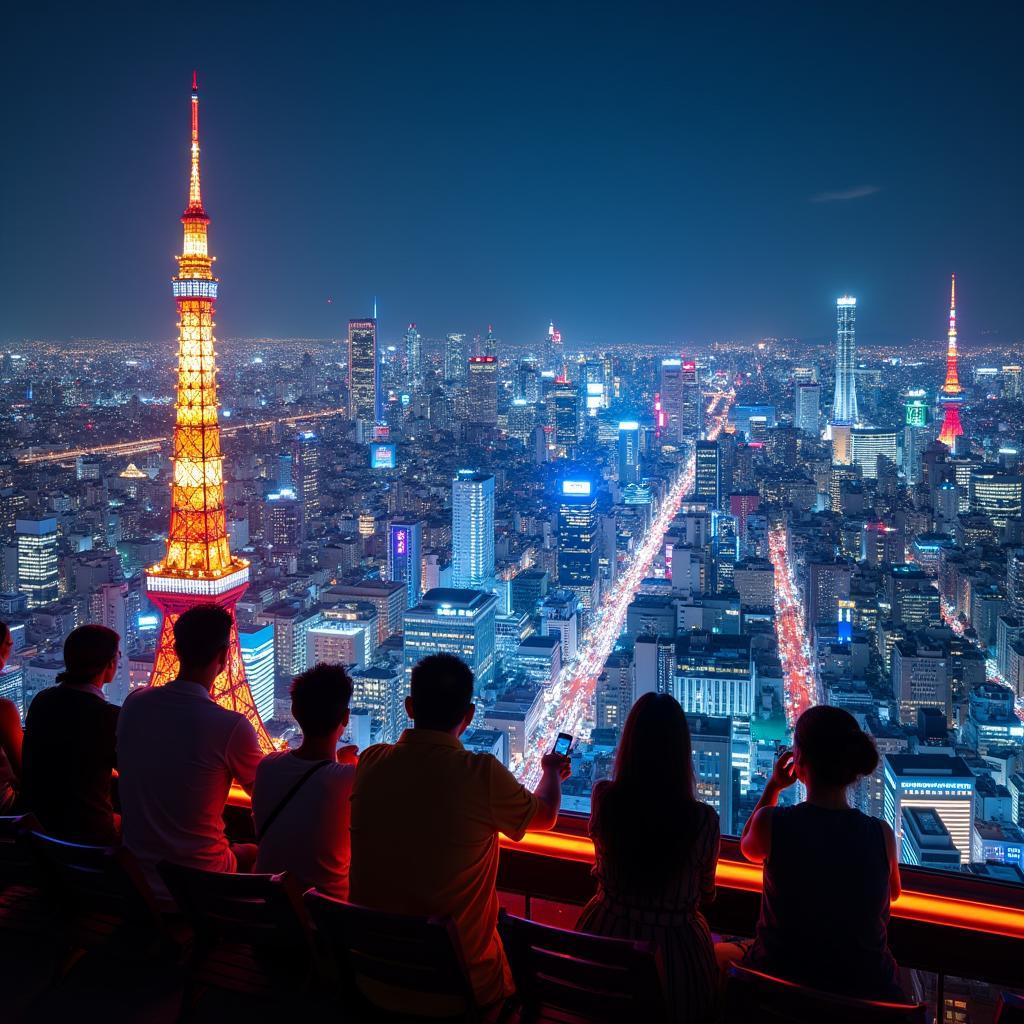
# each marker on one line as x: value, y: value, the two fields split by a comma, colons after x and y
x: 195, y: 198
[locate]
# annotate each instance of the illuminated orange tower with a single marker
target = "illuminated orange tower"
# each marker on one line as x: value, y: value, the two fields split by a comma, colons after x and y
x: 199, y: 567
x: 951, y: 395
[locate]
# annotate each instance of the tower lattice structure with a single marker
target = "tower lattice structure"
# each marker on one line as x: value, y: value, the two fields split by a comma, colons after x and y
x: 951, y: 395
x: 199, y: 567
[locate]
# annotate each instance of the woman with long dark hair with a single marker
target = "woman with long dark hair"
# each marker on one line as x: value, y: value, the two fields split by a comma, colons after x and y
x: 657, y: 849
x: 10, y: 733
x: 829, y: 870
x: 70, y: 742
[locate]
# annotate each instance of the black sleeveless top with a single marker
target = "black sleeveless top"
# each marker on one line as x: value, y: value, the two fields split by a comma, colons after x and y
x: 825, y: 907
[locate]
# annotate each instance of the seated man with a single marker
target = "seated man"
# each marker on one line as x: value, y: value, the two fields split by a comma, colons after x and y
x: 426, y: 814
x: 301, y: 798
x: 69, y: 746
x: 177, y: 752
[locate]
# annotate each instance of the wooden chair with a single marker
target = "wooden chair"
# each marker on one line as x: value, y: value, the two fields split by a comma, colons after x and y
x: 576, y: 978
x: 254, y: 941
x: 753, y: 995
x: 393, y: 965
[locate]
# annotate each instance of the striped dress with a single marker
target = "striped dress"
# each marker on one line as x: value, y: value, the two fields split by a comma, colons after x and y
x: 669, y: 917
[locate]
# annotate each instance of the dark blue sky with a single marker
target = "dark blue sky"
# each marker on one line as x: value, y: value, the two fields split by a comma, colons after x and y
x: 635, y: 171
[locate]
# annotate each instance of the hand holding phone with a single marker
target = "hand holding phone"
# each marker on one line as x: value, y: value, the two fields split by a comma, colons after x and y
x: 563, y: 744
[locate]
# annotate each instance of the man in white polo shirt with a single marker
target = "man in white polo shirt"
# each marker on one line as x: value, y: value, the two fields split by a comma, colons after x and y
x: 177, y: 752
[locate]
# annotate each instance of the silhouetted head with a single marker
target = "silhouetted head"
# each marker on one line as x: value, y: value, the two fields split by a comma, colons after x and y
x: 90, y: 656
x: 646, y: 817
x: 202, y: 636
x: 320, y: 699
x: 441, y: 693
x: 830, y: 748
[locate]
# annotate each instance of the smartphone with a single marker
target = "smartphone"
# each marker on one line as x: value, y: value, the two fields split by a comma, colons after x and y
x: 563, y: 744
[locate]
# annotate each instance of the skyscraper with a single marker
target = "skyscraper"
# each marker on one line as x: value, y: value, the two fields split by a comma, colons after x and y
x: 707, y: 481
x: 472, y: 530
x: 577, y: 540
x: 414, y: 358
x: 671, y: 392
x: 916, y: 433
x: 629, y: 452
x: 567, y: 416
x: 844, y: 408
x: 199, y: 566
x: 691, y: 414
x: 306, y: 473
x: 363, y: 397
x: 807, y: 407
x: 483, y: 390
x: 405, y: 550
x: 951, y: 395
x: 38, y: 569
x: 456, y: 354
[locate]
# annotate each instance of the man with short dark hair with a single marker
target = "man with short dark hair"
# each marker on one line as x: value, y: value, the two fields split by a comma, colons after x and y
x: 301, y: 798
x: 426, y: 814
x: 177, y: 753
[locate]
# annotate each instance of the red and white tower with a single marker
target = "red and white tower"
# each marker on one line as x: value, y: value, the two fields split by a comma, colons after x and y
x: 199, y: 567
x: 951, y: 395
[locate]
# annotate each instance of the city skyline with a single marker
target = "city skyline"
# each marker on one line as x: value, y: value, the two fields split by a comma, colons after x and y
x: 509, y: 211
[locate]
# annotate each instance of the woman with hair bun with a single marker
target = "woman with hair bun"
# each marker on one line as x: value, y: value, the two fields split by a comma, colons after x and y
x: 829, y: 870
x: 69, y: 750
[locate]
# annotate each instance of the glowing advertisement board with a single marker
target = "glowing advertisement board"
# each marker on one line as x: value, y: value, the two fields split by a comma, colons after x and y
x: 383, y: 456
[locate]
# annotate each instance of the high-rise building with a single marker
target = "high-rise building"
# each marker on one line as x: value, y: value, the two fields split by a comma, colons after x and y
x: 951, y: 394
x: 456, y: 354
x: 629, y: 452
x: 472, y: 530
x: 996, y: 494
x: 306, y: 474
x: 452, y: 621
x: 405, y: 551
x: 844, y: 407
x: 714, y: 674
x: 257, y: 644
x: 283, y: 519
x: 567, y: 416
x: 920, y: 679
x: 807, y: 407
x: 527, y: 380
x: 483, y: 390
x: 691, y: 416
x: 828, y: 583
x: 363, y: 386
x: 414, y: 358
x: 916, y: 434
x: 707, y: 481
x: 945, y: 784
x: 198, y: 566
x: 577, y: 540
x: 38, y: 563
x: 867, y: 444
x: 671, y: 390
x: 711, y: 743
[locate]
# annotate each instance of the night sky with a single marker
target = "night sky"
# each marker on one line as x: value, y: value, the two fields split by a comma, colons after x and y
x: 636, y: 172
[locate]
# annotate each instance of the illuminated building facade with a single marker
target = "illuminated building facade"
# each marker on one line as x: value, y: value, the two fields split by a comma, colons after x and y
x: 258, y: 657
x: 363, y: 389
x: 198, y: 566
x: 577, y: 540
x: 414, y: 357
x: 472, y: 530
x: 456, y: 354
x: 629, y: 452
x: 707, y: 482
x: 691, y: 416
x: 672, y: 399
x: 996, y: 494
x: 807, y: 407
x: 306, y: 473
x: 951, y: 395
x: 405, y: 551
x: 483, y: 390
x: 844, y: 407
x: 38, y: 564
x: 916, y: 433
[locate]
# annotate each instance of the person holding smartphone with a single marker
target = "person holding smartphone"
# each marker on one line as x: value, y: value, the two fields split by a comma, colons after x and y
x: 656, y: 849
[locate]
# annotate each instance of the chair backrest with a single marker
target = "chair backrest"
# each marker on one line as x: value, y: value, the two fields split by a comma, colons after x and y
x: 415, y: 954
x: 753, y: 995
x: 559, y: 972
x: 101, y: 879
x: 17, y: 865
x: 259, y: 910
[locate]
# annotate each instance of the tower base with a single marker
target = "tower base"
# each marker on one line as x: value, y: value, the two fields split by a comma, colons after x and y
x: 230, y: 689
x: 951, y: 425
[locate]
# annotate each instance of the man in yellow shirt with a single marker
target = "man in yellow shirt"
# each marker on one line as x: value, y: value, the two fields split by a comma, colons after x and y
x: 426, y: 814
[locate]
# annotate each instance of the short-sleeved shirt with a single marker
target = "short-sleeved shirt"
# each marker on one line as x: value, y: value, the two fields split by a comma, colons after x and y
x: 309, y: 837
x: 426, y: 814
x: 177, y: 753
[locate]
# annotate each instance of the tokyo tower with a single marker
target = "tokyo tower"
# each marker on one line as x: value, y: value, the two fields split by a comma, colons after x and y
x: 951, y: 395
x: 199, y: 567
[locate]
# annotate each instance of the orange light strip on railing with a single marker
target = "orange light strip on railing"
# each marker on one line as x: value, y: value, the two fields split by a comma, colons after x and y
x: 912, y: 905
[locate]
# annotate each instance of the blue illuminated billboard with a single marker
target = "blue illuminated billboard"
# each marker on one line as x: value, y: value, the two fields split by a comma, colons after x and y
x: 383, y: 456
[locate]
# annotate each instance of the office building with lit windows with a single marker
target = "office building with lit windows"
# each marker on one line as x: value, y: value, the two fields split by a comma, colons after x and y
x: 472, y: 530
x: 257, y: 644
x: 867, y: 444
x: 483, y: 390
x: 38, y: 563
x: 707, y: 481
x: 714, y: 674
x: 363, y: 388
x: 629, y: 452
x: 807, y: 407
x: 456, y: 359
x: 711, y: 745
x: 305, y: 471
x: 691, y: 415
x: 844, y: 407
x: 577, y: 540
x: 405, y: 554
x: 453, y: 621
x: 938, y: 781
x: 996, y: 494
